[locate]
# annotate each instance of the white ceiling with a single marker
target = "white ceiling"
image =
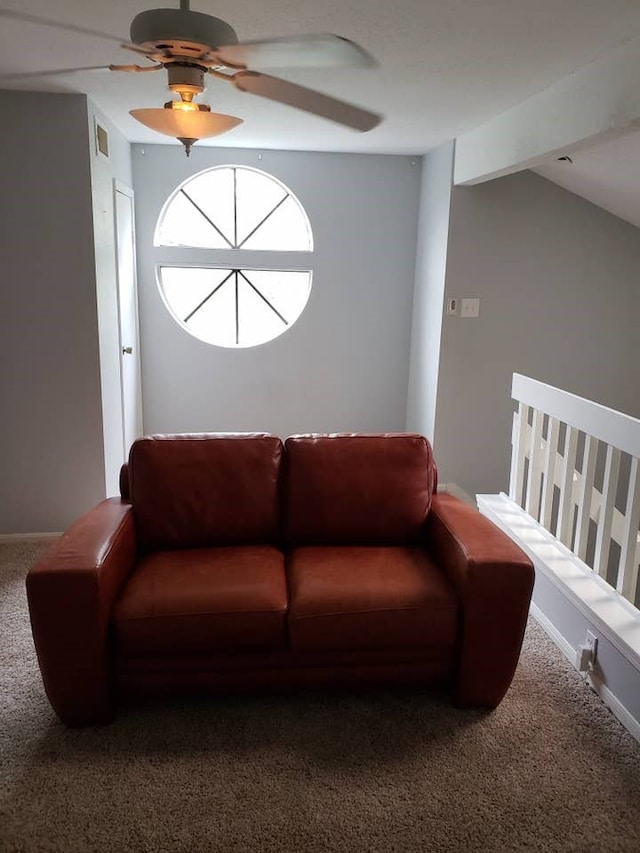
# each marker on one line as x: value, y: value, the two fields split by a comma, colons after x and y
x: 445, y: 67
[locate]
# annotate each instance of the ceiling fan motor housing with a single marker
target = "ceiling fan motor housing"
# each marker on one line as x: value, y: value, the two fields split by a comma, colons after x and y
x: 186, y: 79
x: 180, y: 31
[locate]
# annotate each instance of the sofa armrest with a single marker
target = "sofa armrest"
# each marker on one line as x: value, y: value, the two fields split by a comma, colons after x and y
x: 71, y: 591
x: 494, y: 580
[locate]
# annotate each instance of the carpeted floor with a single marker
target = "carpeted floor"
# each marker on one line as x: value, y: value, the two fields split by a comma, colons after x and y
x: 550, y: 770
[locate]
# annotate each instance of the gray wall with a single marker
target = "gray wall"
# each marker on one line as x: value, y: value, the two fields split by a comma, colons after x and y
x: 558, y: 282
x: 556, y: 275
x: 344, y: 364
x: 428, y: 296
x: 50, y: 429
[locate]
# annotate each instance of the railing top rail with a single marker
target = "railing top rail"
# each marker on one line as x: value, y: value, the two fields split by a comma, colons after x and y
x: 608, y: 425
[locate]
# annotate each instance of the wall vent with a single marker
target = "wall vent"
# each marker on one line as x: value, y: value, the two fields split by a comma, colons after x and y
x: 102, y: 140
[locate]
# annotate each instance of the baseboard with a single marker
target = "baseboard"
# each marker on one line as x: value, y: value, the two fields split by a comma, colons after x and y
x: 610, y: 699
x: 552, y: 632
x: 457, y: 492
x: 15, y: 538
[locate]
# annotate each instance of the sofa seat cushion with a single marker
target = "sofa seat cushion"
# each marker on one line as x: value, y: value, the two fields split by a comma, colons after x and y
x: 203, y: 600
x: 368, y: 597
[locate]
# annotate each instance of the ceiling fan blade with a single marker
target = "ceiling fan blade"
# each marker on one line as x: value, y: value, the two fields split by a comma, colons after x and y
x: 47, y: 22
x: 322, y: 50
x: 52, y: 73
x: 305, y: 99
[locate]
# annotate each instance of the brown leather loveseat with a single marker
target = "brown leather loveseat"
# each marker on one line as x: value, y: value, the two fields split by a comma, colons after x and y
x: 235, y: 561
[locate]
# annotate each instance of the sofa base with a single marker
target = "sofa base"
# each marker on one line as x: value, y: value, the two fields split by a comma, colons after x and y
x: 141, y: 684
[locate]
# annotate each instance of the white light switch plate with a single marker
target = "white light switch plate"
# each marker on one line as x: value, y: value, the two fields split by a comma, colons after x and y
x: 469, y: 307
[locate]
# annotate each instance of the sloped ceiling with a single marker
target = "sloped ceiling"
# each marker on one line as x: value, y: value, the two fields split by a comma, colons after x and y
x: 607, y: 174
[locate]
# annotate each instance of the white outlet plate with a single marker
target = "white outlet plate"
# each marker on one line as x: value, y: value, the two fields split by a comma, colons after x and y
x: 586, y: 653
x: 470, y: 307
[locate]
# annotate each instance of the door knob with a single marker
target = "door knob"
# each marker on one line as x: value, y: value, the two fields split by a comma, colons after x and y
x: 127, y: 350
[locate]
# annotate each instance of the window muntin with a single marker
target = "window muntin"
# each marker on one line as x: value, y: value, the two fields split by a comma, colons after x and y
x: 234, y: 307
x: 231, y: 210
x: 234, y: 207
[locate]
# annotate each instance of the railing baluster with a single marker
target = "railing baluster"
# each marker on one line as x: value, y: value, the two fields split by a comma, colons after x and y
x: 628, y: 572
x: 551, y: 450
x: 538, y: 468
x: 518, y: 455
x: 610, y: 484
x: 565, y: 513
x: 586, y: 495
x: 513, y: 472
x: 532, y: 499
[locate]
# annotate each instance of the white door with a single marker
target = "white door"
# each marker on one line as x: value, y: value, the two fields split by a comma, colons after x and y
x: 128, y: 318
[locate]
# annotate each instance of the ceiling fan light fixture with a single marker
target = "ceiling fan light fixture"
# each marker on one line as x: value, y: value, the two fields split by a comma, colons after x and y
x: 186, y: 121
x: 187, y: 106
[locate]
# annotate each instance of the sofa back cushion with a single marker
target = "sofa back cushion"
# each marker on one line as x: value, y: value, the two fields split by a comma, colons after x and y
x: 203, y: 490
x: 357, y: 489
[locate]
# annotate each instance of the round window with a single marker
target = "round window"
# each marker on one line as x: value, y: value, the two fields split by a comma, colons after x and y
x: 234, y: 248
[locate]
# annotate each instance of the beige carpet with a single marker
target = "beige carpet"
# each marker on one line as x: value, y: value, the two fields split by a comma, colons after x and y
x: 550, y: 770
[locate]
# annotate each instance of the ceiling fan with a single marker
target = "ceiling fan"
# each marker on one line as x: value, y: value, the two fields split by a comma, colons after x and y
x: 190, y: 46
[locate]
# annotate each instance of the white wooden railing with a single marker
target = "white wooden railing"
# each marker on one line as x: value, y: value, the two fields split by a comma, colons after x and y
x: 575, y: 470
